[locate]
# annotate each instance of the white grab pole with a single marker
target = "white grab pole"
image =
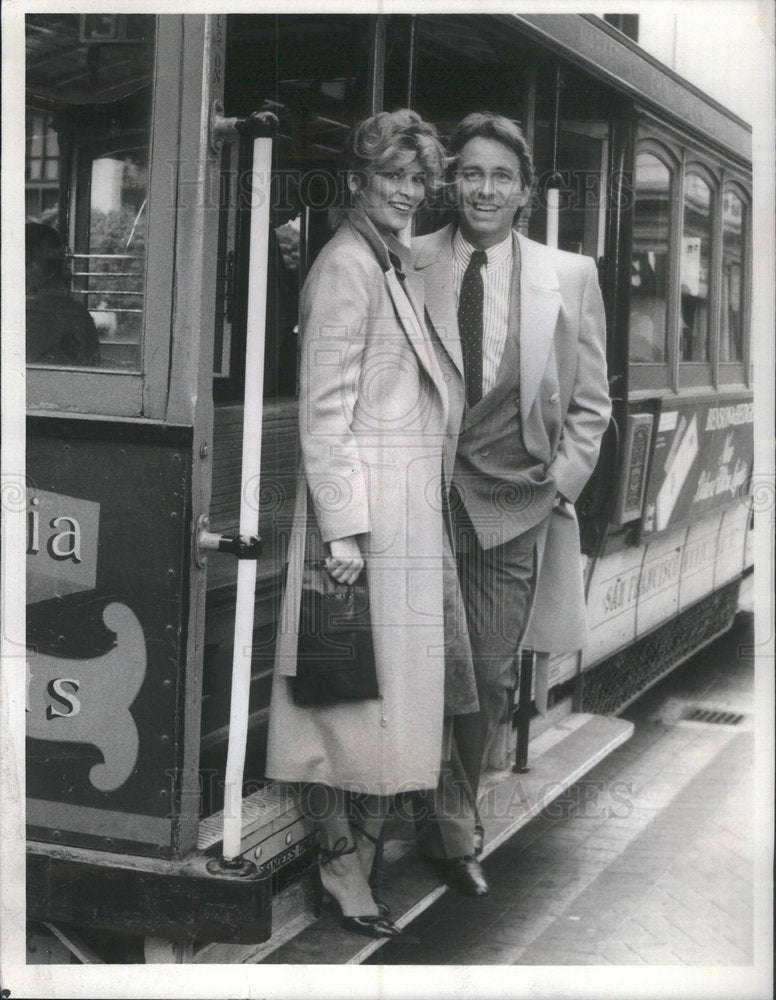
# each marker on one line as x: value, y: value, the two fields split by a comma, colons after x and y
x: 249, y: 495
x: 553, y: 214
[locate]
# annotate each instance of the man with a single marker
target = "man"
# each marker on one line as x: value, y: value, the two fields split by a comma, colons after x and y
x: 526, y: 325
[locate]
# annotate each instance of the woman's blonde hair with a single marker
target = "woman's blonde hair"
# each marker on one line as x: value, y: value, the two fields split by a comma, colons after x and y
x: 392, y: 133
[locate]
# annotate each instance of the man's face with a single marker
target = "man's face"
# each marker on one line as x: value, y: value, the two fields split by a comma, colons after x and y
x: 490, y: 191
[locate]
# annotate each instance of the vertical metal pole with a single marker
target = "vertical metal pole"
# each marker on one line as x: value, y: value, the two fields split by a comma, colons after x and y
x: 616, y: 285
x: 376, y: 81
x: 556, y: 117
x: 524, y: 711
x: 529, y: 131
x: 412, y: 59
x: 553, y: 184
x: 553, y: 216
x: 249, y: 495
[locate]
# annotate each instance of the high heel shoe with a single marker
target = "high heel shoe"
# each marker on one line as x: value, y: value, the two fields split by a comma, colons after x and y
x: 382, y: 907
x: 376, y: 926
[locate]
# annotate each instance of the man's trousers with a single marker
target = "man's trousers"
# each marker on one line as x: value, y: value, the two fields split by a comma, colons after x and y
x: 497, y: 585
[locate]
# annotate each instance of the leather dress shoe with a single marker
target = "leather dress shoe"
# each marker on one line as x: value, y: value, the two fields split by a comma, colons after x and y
x: 478, y: 840
x: 464, y: 874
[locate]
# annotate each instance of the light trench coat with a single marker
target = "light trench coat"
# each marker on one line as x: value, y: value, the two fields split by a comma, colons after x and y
x: 379, y: 411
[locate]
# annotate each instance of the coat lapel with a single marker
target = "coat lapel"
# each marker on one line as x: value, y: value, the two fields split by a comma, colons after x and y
x: 434, y: 263
x: 411, y: 282
x: 415, y: 332
x: 539, y: 304
x: 539, y: 298
x: 415, y: 292
x: 408, y: 306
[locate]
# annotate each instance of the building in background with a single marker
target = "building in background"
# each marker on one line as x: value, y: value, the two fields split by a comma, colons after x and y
x: 723, y: 48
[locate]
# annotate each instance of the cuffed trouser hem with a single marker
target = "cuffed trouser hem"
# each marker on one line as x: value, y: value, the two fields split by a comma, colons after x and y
x: 445, y: 817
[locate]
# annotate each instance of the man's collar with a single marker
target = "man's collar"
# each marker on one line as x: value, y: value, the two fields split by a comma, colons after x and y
x: 497, y: 254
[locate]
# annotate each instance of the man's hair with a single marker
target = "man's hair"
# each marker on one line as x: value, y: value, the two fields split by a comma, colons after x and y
x: 486, y: 125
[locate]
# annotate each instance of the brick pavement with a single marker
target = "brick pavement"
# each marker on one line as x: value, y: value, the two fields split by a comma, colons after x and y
x: 647, y: 861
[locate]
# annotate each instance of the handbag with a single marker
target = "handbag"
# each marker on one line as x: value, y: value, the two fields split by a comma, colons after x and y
x: 335, y: 659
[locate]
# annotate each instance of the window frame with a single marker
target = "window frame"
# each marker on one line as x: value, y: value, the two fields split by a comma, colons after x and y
x: 700, y: 374
x: 142, y: 393
x: 736, y: 373
x: 660, y: 375
x: 682, y: 377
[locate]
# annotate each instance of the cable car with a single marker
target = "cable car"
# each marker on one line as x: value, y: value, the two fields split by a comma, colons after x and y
x: 181, y: 175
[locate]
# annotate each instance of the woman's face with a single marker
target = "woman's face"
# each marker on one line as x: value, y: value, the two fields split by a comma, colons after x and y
x: 390, y: 194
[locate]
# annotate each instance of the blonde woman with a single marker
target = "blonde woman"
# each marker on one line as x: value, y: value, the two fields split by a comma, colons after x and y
x: 379, y: 410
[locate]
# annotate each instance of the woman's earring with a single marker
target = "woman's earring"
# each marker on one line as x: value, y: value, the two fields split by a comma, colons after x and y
x: 353, y: 186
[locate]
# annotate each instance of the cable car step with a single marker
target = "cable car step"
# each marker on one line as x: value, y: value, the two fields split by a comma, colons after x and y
x: 559, y: 756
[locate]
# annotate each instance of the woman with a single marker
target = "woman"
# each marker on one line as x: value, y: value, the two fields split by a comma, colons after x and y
x: 379, y: 411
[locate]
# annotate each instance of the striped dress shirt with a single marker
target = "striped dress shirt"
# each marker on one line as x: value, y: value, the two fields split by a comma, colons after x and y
x: 496, y: 280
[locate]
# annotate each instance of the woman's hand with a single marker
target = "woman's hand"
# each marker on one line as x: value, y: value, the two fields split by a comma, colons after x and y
x: 345, y: 562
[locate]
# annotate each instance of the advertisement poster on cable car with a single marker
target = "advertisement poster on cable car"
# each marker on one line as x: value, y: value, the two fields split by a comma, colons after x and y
x: 104, y: 635
x: 702, y: 459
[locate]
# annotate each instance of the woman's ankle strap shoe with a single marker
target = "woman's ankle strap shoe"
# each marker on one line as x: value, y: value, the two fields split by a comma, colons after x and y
x: 382, y: 907
x: 339, y: 850
x: 377, y: 927
x: 359, y: 829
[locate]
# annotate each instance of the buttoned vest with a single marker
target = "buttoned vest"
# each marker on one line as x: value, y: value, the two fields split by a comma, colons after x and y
x: 504, y: 489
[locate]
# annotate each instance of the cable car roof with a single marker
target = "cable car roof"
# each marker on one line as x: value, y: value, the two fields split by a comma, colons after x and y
x: 607, y: 54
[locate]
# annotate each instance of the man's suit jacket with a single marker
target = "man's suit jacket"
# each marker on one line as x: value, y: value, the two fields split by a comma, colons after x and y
x: 563, y: 401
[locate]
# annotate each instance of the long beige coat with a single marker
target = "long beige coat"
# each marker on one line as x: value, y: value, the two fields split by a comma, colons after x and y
x: 379, y: 410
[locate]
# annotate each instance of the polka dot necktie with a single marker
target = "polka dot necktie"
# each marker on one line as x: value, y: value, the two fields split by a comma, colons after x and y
x: 470, y: 303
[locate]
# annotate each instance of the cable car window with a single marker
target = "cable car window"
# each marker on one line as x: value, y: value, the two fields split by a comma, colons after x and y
x: 581, y: 168
x: 731, y: 341
x: 42, y: 166
x: 461, y: 65
x: 574, y: 158
x: 650, y: 261
x: 86, y: 181
x: 313, y: 76
x: 695, y: 270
